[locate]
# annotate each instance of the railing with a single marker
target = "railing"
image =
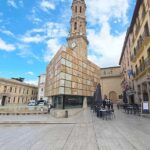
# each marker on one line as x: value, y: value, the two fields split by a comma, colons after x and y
x: 140, y: 45
x: 142, y: 67
x: 147, y: 62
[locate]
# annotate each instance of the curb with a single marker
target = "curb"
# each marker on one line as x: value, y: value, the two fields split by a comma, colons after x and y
x: 33, y: 122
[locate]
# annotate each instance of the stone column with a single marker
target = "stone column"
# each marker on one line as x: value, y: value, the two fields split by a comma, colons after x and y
x: 85, y: 102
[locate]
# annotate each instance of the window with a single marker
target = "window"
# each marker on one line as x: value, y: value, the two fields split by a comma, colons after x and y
x: 80, y: 9
x: 5, y: 88
x: 10, y: 89
x: 76, y: 9
x: 42, y: 89
x: 136, y: 68
x: 75, y: 26
x: 146, y: 30
x: 19, y: 90
x: 134, y: 51
x: 8, y: 99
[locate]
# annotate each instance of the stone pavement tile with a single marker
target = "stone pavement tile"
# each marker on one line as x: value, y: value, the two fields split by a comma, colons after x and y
x: 82, y: 136
x: 126, y: 132
x: 34, y: 137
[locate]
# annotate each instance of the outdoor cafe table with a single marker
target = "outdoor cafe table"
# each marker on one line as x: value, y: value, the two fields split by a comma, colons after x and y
x: 102, y: 113
x: 129, y: 109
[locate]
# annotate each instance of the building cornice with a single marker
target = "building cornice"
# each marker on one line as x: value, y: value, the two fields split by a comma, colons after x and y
x: 18, y: 83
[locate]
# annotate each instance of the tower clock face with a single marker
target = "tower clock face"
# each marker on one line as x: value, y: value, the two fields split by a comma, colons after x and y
x: 73, y: 44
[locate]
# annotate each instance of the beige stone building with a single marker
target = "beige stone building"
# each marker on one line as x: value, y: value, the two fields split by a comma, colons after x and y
x: 127, y: 83
x: 139, y: 48
x: 111, y: 83
x: 16, y: 92
x: 71, y: 78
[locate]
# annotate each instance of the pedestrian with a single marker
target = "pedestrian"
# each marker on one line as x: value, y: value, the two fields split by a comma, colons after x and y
x: 111, y: 104
x: 49, y: 108
x: 108, y: 103
x: 104, y: 101
x: 118, y: 105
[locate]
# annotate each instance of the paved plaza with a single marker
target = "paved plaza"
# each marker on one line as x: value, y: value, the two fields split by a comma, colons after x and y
x: 83, y: 131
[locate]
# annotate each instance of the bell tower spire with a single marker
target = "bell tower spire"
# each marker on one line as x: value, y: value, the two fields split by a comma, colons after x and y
x: 77, y: 39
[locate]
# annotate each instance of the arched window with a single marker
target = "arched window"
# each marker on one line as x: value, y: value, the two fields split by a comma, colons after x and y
x: 80, y: 9
x: 75, y: 26
x: 76, y: 9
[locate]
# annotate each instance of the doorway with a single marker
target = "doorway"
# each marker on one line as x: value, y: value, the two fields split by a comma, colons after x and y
x: 113, y: 96
x: 3, y: 100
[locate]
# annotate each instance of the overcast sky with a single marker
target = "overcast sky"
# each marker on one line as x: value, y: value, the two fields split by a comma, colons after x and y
x: 31, y: 32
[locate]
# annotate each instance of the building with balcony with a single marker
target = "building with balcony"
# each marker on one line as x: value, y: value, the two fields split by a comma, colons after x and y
x: 16, y: 92
x: 71, y: 78
x: 109, y: 77
x: 138, y: 36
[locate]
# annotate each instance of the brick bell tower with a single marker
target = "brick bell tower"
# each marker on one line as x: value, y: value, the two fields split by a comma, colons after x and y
x: 77, y: 39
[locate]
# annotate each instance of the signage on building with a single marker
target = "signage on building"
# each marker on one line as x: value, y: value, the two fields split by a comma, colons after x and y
x: 145, y: 108
x: 145, y: 105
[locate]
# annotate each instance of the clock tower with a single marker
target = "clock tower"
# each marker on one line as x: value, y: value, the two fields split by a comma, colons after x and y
x: 77, y: 39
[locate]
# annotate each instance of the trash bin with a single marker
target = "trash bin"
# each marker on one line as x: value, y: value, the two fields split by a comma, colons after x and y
x: 66, y: 114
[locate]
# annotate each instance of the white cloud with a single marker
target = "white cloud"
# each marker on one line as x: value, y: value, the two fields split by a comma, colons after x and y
x: 53, y: 46
x: 47, y: 5
x: 50, y: 34
x: 33, y: 82
x: 30, y: 62
x: 5, y: 46
x: 100, y: 10
x: 21, y: 3
x: 105, y: 48
x: 15, y: 3
x: 32, y: 39
x: 47, y: 31
x: 25, y: 51
x: 55, y: 30
x: 7, y: 32
x: 12, y: 3
x: 29, y: 73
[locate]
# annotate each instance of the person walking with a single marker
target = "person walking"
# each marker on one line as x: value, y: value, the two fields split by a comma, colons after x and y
x: 49, y: 108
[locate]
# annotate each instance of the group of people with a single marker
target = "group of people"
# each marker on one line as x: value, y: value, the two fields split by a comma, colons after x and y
x: 107, y: 103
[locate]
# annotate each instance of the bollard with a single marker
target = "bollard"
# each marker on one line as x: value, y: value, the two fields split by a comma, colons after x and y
x: 66, y: 114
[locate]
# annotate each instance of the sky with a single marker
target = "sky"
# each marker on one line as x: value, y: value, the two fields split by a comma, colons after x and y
x: 32, y: 31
